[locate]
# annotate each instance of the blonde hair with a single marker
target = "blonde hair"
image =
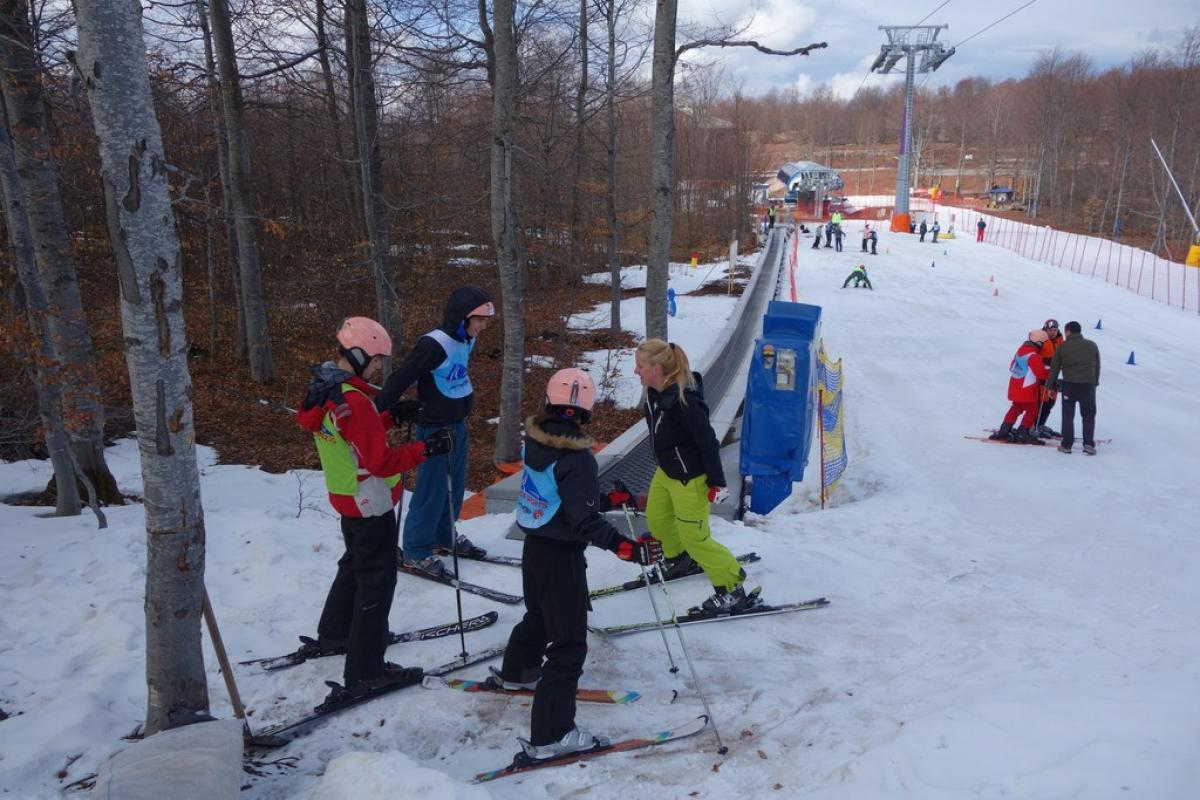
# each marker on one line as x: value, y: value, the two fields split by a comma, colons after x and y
x: 676, y: 368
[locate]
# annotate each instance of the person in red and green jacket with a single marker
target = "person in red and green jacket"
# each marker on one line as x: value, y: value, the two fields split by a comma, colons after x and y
x: 1026, y: 375
x: 362, y: 475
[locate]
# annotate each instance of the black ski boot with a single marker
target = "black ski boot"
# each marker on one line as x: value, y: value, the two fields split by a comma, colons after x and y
x: 678, y: 567
x: 393, y: 676
x: 1004, y: 432
x: 1026, y: 436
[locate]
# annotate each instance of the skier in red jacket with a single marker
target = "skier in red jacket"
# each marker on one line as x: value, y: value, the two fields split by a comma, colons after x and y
x: 1027, y: 372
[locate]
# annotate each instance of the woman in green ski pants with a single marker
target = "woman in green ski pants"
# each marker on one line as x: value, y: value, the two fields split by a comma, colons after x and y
x: 688, y: 476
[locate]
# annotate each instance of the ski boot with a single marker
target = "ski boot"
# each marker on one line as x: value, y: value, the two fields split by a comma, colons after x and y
x: 1046, y: 432
x: 725, y: 602
x: 577, y: 740
x: 1090, y: 449
x: 432, y: 566
x: 464, y: 547
x: 393, y: 676
x: 1025, y: 436
x: 529, y: 680
x: 320, y: 646
x: 1004, y: 432
x: 677, y: 567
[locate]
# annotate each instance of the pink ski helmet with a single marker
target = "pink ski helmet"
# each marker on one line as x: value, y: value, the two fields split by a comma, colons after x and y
x: 360, y: 339
x: 572, y: 391
x: 1039, y: 336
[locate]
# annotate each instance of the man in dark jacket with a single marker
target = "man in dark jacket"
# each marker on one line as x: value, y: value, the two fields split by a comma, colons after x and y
x: 923, y: 230
x: 1079, y: 361
x: 438, y: 366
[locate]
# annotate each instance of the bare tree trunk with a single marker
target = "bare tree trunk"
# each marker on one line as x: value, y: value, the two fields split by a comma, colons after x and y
x: 83, y: 411
x: 349, y: 185
x: 46, y: 380
x: 610, y: 194
x: 662, y: 166
x: 578, y: 155
x: 262, y: 364
x: 366, y: 128
x: 112, y: 64
x: 240, y: 347
x: 504, y: 230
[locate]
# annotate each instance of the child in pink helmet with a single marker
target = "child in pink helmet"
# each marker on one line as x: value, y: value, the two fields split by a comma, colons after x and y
x: 560, y: 509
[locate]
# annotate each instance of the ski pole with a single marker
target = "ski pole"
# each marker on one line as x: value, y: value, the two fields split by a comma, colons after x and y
x: 653, y: 603
x: 462, y: 636
x: 721, y: 748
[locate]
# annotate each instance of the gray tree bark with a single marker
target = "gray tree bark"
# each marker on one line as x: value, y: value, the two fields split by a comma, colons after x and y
x: 610, y: 193
x: 578, y: 154
x: 83, y: 412
x: 262, y: 364
x: 349, y: 185
x: 46, y: 378
x: 662, y: 167
x: 370, y: 164
x: 504, y: 230
x: 112, y: 64
x: 240, y: 346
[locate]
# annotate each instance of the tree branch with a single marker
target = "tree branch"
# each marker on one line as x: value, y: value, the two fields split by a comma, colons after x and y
x: 300, y: 59
x: 799, y: 51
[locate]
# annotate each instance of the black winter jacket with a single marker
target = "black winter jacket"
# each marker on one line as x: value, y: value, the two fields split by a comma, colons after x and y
x: 682, y: 437
x: 579, y: 518
x: 426, y: 355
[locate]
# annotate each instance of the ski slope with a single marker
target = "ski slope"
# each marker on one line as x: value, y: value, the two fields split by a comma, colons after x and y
x: 1006, y: 622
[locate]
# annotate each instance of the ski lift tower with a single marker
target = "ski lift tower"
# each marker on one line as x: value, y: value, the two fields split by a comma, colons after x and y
x: 918, y: 46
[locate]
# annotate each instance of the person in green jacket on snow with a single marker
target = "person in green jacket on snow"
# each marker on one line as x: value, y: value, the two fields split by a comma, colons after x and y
x: 688, y: 477
x: 859, y: 276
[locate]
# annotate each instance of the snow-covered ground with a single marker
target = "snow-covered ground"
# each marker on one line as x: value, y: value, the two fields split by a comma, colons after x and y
x: 1005, y: 621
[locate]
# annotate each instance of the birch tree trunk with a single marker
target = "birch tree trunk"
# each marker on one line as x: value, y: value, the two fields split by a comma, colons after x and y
x: 83, y: 412
x: 46, y: 379
x: 610, y: 194
x: 370, y: 163
x: 504, y: 230
x: 662, y: 168
x: 112, y: 64
x: 262, y: 364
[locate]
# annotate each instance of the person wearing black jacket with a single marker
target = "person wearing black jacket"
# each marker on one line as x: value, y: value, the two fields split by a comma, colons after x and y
x: 560, y: 508
x: 437, y: 364
x: 688, y: 476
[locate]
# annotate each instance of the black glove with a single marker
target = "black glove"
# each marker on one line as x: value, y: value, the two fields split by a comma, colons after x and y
x: 619, y: 495
x: 439, y: 443
x: 405, y: 410
x: 645, y: 551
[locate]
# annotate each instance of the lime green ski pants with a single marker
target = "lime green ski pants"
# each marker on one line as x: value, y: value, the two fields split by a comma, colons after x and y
x: 677, y: 515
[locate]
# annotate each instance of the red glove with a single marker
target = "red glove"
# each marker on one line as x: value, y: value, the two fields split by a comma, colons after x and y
x: 713, y: 491
x: 645, y: 551
x: 619, y: 495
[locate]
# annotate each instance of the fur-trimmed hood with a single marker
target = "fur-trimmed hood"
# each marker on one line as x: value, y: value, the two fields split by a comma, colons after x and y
x: 558, y: 434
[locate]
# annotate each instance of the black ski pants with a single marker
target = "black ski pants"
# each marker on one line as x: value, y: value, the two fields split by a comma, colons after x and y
x: 357, y: 607
x: 554, y: 578
x: 1085, y: 395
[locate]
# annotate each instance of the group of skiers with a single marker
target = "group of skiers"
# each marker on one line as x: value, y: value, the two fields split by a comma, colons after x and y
x: 1033, y: 386
x: 560, y: 506
x: 925, y: 228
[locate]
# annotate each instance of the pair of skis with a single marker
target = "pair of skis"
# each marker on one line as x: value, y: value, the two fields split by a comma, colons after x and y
x: 310, y: 648
x: 512, y: 599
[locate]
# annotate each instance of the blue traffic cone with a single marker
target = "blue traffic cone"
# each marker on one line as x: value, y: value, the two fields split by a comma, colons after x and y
x: 1131, y: 361
x: 1097, y: 324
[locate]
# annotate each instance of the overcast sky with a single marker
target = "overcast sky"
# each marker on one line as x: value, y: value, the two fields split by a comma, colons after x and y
x: 1107, y: 31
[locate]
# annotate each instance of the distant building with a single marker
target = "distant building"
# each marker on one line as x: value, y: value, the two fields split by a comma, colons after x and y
x: 1000, y: 196
x: 809, y: 184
